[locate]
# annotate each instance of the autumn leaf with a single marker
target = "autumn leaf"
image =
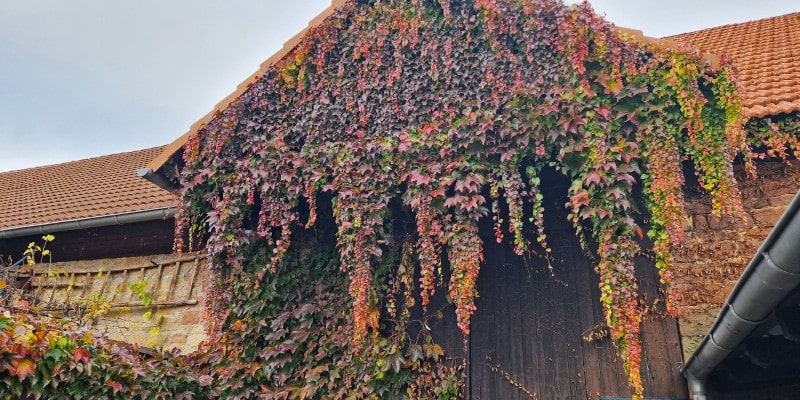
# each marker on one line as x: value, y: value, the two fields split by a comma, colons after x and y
x: 433, y: 351
x: 205, y: 380
x: 114, y: 385
x: 22, y: 368
x: 238, y: 325
x: 81, y: 354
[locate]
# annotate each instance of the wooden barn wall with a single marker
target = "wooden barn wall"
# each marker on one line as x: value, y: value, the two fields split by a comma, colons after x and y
x: 538, y: 332
x: 129, y: 240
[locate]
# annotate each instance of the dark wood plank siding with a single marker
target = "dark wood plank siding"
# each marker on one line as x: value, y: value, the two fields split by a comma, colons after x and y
x: 527, y: 333
x: 129, y: 240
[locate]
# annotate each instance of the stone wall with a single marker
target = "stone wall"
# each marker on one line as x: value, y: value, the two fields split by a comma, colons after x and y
x: 155, y: 301
x: 716, y: 249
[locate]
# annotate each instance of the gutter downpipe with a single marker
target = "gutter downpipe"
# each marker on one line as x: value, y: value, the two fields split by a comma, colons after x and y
x: 769, y: 277
x: 156, y: 179
x: 86, y: 223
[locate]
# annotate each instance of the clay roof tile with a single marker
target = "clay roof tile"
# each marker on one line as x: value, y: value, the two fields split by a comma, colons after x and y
x: 76, y: 190
x: 766, y: 53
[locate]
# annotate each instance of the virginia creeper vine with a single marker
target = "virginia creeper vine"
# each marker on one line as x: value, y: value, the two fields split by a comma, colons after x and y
x: 451, y: 107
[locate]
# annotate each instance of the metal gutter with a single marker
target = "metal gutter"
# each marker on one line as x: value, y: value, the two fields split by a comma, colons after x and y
x: 768, y: 279
x: 93, y: 222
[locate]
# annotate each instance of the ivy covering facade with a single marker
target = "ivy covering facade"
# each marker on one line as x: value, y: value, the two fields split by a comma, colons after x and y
x: 442, y: 114
x: 454, y: 108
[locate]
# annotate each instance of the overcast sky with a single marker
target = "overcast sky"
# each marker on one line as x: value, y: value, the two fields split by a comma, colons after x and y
x: 85, y: 78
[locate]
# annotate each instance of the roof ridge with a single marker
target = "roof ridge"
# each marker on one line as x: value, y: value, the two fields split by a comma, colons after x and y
x: 83, y: 160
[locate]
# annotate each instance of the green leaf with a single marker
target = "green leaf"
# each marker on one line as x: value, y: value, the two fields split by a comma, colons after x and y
x: 55, y: 354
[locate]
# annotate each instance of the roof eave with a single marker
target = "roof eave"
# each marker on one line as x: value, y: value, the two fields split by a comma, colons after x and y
x: 87, y: 223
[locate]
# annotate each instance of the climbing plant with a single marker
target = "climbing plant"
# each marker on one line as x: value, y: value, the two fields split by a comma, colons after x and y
x: 287, y: 336
x: 451, y: 108
x: 775, y: 137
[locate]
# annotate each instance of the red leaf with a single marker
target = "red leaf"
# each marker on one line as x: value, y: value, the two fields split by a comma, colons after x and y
x: 418, y: 178
x: 593, y: 177
x: 81, y: 354
x: 604, y: 111
x: 115, y: 386
x: 638, y: 231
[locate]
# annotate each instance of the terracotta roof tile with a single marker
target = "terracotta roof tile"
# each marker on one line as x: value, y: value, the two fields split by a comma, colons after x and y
x: 767, y: 54
x: 76, y: 190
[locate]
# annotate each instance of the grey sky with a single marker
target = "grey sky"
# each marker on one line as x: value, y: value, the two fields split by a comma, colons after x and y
x: 84, y: 78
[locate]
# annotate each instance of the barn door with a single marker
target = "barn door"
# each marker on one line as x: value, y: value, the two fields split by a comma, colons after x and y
x: 538, y: 331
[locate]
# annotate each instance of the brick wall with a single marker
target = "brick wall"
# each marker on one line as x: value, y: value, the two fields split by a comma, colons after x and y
x: 717, y: 250
x: 175, y: 286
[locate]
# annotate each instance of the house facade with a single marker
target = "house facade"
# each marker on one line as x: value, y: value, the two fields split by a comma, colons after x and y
x: 538, y: 330
x: 111, y: 264
x: 719, y: 261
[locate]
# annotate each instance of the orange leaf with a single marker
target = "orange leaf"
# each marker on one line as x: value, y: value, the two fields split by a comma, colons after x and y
x: 238, y: 325
x: 88, y: 338
x: 23, y: 368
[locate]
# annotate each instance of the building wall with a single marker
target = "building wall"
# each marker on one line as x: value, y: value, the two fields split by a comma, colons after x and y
x: 716, y: 249
x: 102, y: 293
x: 128, y: 240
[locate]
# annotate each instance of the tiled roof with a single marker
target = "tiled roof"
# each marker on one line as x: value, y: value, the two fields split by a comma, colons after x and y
x: 77, y: 190
x: 767, y: 55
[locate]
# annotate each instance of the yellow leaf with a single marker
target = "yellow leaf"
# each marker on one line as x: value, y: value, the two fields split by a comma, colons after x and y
x: 2, y: 285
